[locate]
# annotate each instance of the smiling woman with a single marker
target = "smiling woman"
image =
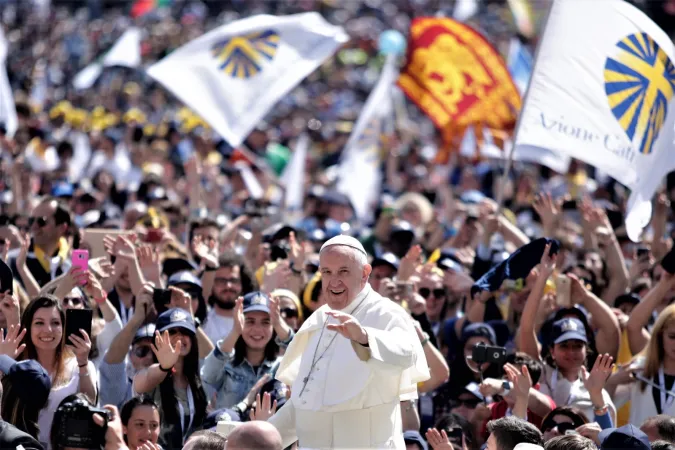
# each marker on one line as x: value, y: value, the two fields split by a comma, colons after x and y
x: 68, y: 367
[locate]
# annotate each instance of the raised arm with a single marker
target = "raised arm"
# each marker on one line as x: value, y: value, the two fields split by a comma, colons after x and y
x: 608, y: 338
x: 527, y: 337
x: 639, y: 317
x: 167, y: 355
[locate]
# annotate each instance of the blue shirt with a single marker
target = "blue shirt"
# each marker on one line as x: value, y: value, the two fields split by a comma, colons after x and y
x: 231, y: 383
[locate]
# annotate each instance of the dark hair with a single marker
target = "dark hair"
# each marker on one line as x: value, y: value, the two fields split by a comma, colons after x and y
x: 662, y: 445
x: 208, y: 440
x: 664, y: 424
x: 134, y: 402
x: 44, y: 301
x: 570, y: 442
x: 511, y: 431
x: 248, y: 281
x: 271, y: 350
x: 452, y: 420
x: 173, y: 435
x: 58, y: 417
x: 523, y: 359
x: 17, y: 412
x: 578, y: 418
x: 201, y: 223
x: 62, y: 214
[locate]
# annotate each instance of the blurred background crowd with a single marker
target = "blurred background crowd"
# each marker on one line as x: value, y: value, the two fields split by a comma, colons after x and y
x: 125, y: 171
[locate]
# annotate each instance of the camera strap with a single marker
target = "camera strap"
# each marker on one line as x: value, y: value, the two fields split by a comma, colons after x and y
x: 181, y: 411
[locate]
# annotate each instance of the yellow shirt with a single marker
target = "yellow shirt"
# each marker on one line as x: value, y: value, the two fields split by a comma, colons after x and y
x: 624, y: 356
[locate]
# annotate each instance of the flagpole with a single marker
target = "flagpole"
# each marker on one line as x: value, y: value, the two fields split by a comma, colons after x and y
x: 509, y: 161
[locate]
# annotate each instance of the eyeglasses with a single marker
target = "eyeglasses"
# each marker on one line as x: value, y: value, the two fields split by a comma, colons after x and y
x: 73, y: 301
x: 469, y: 403
x: 425, y: 292
x: 141, y: 351
x: 41, y: 221
x: 221, y: 280
x: 289, y: 313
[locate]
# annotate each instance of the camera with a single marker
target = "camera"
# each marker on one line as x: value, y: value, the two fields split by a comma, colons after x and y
x: 488, y: 354
x: 75, y: 426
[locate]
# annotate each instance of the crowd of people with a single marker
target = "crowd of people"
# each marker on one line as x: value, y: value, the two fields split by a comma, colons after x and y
x: 192, y: 293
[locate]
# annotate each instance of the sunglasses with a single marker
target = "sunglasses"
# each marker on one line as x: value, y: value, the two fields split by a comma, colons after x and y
x: 469, y: 403
x: 425, y: 292
x: 73, y: 301
x: 289, y: 313
x: 563, y: 427
x: 41, y: 221
x: 141, y: 351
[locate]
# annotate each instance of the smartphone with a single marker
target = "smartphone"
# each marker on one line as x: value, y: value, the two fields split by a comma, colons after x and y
x: 482, y: 353
x: 642, y: 252
x: 161, y: 298
x: 6, y: 278
x: 154, y: 236
x: 455, y: 435
x: 77, y: 319
x: 80, y: 259
x: 563, y: 288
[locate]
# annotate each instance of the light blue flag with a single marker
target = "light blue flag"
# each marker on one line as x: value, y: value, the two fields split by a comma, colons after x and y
x: 520, y: 65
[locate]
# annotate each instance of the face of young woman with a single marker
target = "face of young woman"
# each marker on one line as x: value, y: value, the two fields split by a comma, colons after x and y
x: 46, y: 329
x: 257, y: 330
x: 143, y: 426
x: 669, y: 340
x: 177, y: 334
x: 553, y: 432
x: 569, y: 355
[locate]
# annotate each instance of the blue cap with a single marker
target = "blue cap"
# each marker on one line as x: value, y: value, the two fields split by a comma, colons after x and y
x: 569, y: 329
x: 147, y: 331
x: 220, y: 415
x: 184, y: 277
x: 481, y: 329
x: 628, y: 437
x: 256, y: 301
x: 386, y: 259
x: 414, y: 437
x: 175, y: 318
x: 30, y: 380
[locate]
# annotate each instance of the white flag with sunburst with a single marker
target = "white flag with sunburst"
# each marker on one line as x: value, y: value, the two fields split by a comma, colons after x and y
x: 602, y: 92
x: 232, y: 76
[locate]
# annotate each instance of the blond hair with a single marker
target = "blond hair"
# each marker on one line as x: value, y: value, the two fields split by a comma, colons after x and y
x: 654, y: 353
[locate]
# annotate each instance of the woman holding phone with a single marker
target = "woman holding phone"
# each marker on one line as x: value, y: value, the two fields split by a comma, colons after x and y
x: 64, y: 358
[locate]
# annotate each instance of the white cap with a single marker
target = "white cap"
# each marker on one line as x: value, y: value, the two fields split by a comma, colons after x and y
x: 344, y: 240
x: 528, y: 446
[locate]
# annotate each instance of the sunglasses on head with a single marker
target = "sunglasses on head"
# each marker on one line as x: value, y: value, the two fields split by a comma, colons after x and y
x: 469, y: 403
x: 563, y: 427
x: 41, y: 221
x: 141, y: 351
x: 289, y: 313
x: 425, y: 292
x: 73, y: 301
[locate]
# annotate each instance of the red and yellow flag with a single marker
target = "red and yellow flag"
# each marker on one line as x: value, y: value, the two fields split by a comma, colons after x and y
x: 457, y: 78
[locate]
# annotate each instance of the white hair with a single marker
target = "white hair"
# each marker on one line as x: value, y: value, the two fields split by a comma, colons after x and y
x: 356, y: 254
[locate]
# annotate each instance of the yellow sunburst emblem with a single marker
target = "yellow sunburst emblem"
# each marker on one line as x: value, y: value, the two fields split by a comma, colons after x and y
x: 639, y: 82
x: 244, y: 56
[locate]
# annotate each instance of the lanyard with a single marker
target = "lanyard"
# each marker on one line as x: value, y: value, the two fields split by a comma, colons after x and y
x: 125, y: 313
x: 667, y: 398
x: 554, y: 382
x: 181, y: 411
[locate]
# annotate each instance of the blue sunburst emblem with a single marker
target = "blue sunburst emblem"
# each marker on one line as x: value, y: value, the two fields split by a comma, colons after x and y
x: 244, y: 56
x: 639, y: 82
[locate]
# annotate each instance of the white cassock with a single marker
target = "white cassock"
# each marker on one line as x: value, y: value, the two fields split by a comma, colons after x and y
x: 351, y: 398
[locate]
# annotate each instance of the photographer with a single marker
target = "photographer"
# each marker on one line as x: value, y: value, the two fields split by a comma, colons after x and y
x: 77, y: 424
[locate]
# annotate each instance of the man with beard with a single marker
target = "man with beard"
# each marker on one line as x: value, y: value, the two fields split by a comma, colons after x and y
x: 232, y: 280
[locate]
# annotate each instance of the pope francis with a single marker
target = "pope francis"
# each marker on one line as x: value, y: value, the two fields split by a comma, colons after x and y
x: 351, y: 362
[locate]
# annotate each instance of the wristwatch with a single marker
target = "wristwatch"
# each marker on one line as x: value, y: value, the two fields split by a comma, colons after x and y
x: 294, y: 269
x: 506, y: 387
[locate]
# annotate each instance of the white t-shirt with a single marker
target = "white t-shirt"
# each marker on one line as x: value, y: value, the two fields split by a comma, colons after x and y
x: 571, y: 393
x: 56, y: 396
x: 217, y: 327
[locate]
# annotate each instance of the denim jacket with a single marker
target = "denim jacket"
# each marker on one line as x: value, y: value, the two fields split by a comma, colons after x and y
x: 230, y: 382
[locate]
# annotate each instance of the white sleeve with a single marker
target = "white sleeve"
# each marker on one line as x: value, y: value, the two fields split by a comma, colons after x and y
x: 107, y: 335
